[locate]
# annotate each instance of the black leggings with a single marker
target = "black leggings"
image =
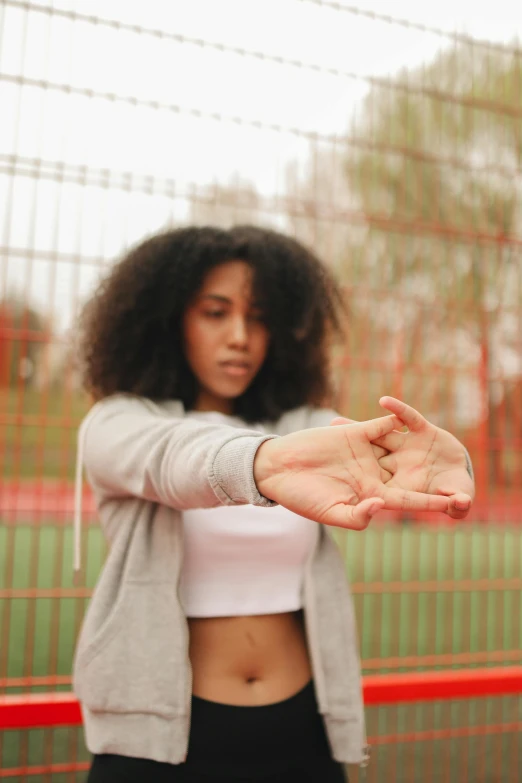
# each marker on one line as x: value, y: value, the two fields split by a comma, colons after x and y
x: 277, y: 743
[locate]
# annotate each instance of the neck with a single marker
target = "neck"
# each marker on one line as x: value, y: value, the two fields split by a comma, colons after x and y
x: 207, y: 402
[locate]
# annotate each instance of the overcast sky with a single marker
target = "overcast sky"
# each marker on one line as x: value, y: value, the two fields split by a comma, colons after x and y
x: 218, y: 114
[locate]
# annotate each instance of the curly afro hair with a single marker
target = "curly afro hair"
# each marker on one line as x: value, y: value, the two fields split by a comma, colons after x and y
x: 131, y: 337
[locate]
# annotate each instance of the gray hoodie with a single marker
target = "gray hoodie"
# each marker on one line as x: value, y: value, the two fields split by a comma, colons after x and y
x: 146, y: 462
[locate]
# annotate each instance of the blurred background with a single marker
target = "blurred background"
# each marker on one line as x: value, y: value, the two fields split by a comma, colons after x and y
x: 386, y: 135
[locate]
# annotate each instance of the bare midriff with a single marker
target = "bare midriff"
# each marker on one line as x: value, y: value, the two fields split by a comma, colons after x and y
x: 249, y: 661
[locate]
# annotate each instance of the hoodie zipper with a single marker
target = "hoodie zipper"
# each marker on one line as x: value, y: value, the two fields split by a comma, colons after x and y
x: 315, y: 653
x: 188, y: 702
x: 311, y: 631
x: 188, y: 666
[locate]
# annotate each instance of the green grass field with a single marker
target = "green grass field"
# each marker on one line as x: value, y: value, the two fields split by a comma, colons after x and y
x: 38, y: 635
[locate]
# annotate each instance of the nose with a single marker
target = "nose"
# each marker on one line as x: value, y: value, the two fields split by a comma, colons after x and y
x: 238, y: 334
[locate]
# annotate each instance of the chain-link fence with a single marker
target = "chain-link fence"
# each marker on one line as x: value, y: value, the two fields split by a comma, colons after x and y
x: 394, y: 149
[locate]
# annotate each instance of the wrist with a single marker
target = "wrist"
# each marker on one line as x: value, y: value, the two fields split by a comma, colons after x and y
x: 263, y: 467
x: 230, y: 470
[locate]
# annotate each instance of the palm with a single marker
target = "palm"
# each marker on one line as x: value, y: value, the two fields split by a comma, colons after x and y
x: 426, y: 459
x: 314, y: 491
x: 429, y: 462
x: 315, y: 496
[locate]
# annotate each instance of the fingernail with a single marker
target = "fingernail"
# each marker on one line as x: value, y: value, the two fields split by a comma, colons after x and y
x: 462, y: 505
x: 374, y: 508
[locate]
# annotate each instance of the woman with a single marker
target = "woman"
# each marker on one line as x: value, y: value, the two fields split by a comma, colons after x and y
x: 220, y: 641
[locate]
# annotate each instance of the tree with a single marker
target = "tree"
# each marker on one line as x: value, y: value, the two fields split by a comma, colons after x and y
x: 446, y: 180
x: 24, y: 332
x: 431, y: 223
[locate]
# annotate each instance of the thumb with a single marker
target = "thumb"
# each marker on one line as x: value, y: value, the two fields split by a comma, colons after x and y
x: 459, y: 504
x: 354, y: 517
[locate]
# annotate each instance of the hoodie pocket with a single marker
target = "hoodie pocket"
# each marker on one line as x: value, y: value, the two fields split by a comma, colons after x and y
x: 137, y: 661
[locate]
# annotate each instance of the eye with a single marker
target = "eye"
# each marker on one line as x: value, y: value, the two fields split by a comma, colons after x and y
x: 257, y: 316
x: 214, y: 313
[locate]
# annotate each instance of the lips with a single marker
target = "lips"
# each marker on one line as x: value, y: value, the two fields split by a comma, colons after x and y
x: 235, y: 367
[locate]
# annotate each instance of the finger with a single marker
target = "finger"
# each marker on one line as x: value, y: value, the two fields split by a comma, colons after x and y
x: 411, y: 417
x: 353, y: 517
x: 459, y: 506
x: 364, y: 511
x: 385, y: 476
x: 388, y: 463
x: 376, y: 428
x: 393, y: 441
x: 402, y: 499
x: 378, y: 452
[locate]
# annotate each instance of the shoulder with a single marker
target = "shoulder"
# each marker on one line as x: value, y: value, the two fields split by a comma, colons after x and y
x: 303, y: 418
x: 117, y: 404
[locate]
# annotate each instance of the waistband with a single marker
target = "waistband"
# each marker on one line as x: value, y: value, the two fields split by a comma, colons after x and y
x: 305, y: 695
x: 266, y: 737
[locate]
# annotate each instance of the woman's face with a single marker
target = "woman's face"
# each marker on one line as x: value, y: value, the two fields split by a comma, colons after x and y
x: 226, y: 339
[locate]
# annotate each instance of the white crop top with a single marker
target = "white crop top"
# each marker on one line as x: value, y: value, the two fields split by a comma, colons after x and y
x: 243, y: 560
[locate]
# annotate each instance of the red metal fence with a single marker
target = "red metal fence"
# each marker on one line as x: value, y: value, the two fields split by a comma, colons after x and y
x: 61, y: 709
x: 391, y: 147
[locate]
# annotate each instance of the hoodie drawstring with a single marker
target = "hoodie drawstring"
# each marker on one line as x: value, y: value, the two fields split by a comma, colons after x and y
x: 78, y: 501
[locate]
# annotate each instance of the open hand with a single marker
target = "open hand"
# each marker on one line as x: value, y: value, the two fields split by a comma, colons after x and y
x: 332, y: 476
x: 425, y: 459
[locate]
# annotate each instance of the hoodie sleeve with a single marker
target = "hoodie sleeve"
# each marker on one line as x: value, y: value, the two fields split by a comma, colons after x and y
x: 131, y: 450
